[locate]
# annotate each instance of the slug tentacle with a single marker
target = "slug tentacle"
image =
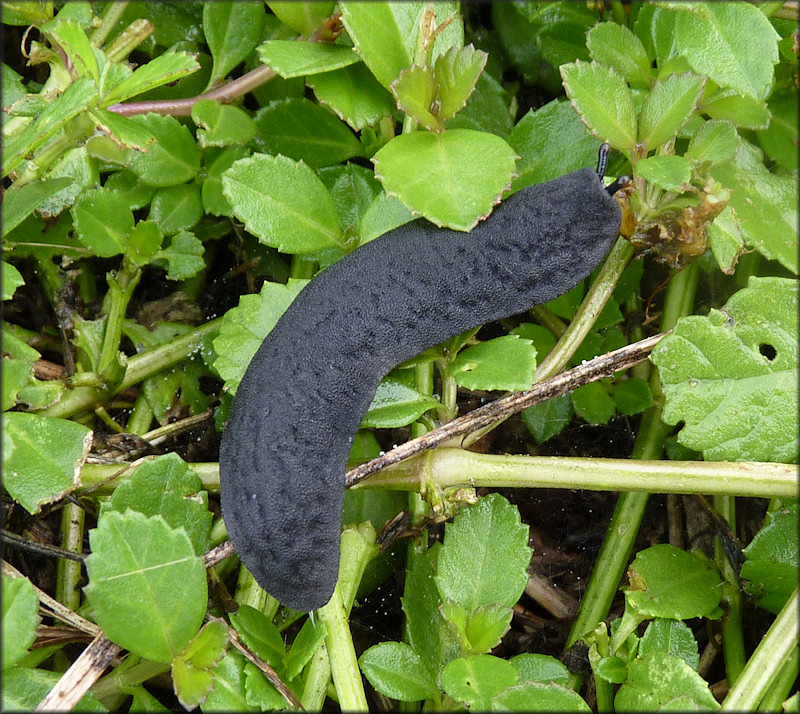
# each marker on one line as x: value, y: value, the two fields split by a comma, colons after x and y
x: 283, y: 455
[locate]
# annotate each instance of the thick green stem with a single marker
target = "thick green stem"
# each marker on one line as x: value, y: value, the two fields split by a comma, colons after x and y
x: 69, y: 571
x: 782, y: 685
x: 109, y: 17
x: 120, y: 292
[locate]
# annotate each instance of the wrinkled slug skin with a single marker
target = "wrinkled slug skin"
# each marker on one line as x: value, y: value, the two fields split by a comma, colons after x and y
x: 283, y: 455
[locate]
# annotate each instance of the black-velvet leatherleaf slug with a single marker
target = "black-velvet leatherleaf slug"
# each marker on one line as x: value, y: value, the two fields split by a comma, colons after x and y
x: 283, y: 455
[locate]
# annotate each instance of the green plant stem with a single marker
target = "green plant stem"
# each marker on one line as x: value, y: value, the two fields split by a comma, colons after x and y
x: 782, y: 684
x: 122, y: 677
x: 732, y: 633
x: 248, y: 591
x: 68, y: 575
x: 618, y: 13
x: 129, y: 39
x: 141, y: 417
x: 139, y: 367
x: 111, y: 14
x: 629, y: 511
x: 316, y: 685
x: 767, y: 661
x: 120, y: 292
x: 452, y: 467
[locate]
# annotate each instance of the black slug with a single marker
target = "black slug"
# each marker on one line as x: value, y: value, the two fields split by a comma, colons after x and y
x: 283, y: 455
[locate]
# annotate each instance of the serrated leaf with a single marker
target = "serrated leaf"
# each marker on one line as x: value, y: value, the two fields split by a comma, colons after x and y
x: 475, y: 680
x: 480, y: 630
x: 193, y: 669
x: 485, y: 556
x: 593, y: 403
x: 397, y: 671
x: 551, y: 142
x: 221, y: 124
x: 616, y: 46
x: 176, y: 208
x: 166, y: 68
x: 540, y: 668
x: 632, y: 396
x: 661, y: 680
x: 487, y: 109
x: 780, y: 139
x: 457, y: 72
x: 213, y: 201
x: 292, y: 58
x: 259, y: 692
x: 167, y: 487
x: 75, y: 164
x: 549, y: 418
x: 20, y: 203
x: 25, y: 687
x: 713, y: 38
x: 507, y: 363
x: 744, y: 112
x: 535, y: 695
x: 245, y: 326
x: 445, y: 177
x: 103, y: 221
x: 353, y: 94
x: 232, y: 30
x: 20, y: 619
x: 668, y: 107
x: 382, y: 215
x: 11, y: 280
x: 133, y: 570
x: 770, y: 568
x: 765, y: 204
x: 395, y: 404
x: 42, y: 457
x: 174, y: 157
x: 144, y: 242
x: 303, y: 17
x: 726, y: 240
x: 184, y: 256
x: 260, y: 635
x: 302, y: 130
x: 352, y: 188
x: 672, y: 173
x: 672, y: 636
x: 714, y: 142
x: 415, y: 90
x: 72, y: 39
x: 668, y: 582
x: 283, y: 203
x: 228, y: 694
x: 731, y: 377
x: 603, y: 101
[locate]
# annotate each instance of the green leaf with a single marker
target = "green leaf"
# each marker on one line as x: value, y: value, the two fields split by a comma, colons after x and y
x: 25, y: 687
x: 184, y: 256
x: 551, y: 142
x: 672, y: 173
x: 727, y: 242
x: 780, y: 140
x: 770, y: 568
x: 11, y: 279
x: 214, y: 202
x: 72, y: 39
x: 167, y: 487
x: 668, y: 107
x: 352, y: 188
x: 487, y: 109
x: 396, y: 404
x: 537, y: 696
x: 632, y: 396
x: 415, y: 91
x: 20, y: 619
x: 259, y: 692
x: 221, y: 124
x: 398, y: 672
x: 25, y: 12
x: 283, y: 203
x: 386, y: 34
x: 164, y: 69
x: 549, y: 418
x: 244, y: 328
x: 229, y: 694
x: 308, y: 640
x: 303, y: 17
x: 134, y: 571
x: 127, y: 184
x: 593, y: 403
x: 482, y: 629
x: 103, y: 222
x: 765, y: 205
x: 260, y: 635
x: 232, y: 30
x: 540, y: 668
x: 744, y: 112
x: 444, y: 177
x: 616, y: 46
x: 382, y: 215
x: 732, y: 44
x: 662, y: 681
x: 603, y: 102
x: 672, y: 636
x: 20, y: 203
x: 176, y: 208
x: 485, y: 556
x: 42, y: 457
x: 292, y: 58
x: 302, y: 130
x: 611, y: 669
x: 172, y: 159
x: 457, y: 72
x: 354, y: 95
x: 666, y: 581
x: 714, y: 142
x: 506, y: 363
x: 144, y: 242
x: 475, y: 680
x: 731, y: 377
x: 193, y: 669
